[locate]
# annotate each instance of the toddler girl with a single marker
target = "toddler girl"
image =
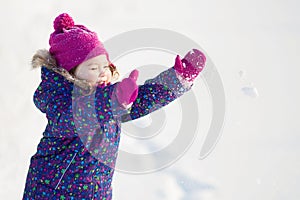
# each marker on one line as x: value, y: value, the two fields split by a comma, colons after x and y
x: 76, y: 156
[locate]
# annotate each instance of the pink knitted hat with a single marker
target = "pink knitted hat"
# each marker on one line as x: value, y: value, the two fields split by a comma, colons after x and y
x: 72, y: 44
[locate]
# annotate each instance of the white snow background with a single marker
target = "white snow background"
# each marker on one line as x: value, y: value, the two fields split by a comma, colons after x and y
x: 255, y: 47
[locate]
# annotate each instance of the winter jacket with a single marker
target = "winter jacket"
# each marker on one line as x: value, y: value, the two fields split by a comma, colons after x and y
x: 76, y: 156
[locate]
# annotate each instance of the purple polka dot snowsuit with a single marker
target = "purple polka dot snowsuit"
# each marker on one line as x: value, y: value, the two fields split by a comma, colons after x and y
x: 75, y: 158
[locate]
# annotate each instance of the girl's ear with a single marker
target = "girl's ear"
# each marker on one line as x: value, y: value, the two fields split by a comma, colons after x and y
x: 115, y: 75
x: 114, y: 72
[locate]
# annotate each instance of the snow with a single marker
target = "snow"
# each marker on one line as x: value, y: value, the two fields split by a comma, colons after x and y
x: 257, y: 156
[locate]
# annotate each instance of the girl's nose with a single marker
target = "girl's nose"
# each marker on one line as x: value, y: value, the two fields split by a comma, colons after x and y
x: 102, y: 73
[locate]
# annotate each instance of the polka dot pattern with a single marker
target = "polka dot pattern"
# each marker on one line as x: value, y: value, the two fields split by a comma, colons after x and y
x: 76, y: 156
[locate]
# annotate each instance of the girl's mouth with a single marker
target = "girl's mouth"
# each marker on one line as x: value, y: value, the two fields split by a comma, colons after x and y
x: 101, y: 83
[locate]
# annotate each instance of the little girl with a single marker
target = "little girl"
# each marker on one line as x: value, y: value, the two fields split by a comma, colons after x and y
x: 76, y: 156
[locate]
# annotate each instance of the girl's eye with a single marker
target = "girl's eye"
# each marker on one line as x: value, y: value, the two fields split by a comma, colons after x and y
x: 94, y: 68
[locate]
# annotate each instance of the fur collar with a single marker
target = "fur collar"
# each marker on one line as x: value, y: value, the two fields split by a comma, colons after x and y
x: 43, y: 58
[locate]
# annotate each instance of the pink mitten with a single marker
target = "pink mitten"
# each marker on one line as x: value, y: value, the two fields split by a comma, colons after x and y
x: 127, y: 89
x: 191, y: 65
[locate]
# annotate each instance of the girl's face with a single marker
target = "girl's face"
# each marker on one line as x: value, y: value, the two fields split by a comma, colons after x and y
x: 95, y: 70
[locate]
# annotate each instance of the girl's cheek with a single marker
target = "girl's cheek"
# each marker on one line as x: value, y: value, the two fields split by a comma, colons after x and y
x: 92, y: 77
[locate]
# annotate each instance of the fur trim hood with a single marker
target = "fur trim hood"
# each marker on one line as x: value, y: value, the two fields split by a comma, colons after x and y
x: 43, y: 58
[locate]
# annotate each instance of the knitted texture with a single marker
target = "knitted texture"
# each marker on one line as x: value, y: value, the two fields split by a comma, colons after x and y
x: 72, y: 44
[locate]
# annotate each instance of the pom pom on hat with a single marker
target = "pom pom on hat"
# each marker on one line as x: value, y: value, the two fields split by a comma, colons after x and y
x: 72, y: 44
x: 63, y: 21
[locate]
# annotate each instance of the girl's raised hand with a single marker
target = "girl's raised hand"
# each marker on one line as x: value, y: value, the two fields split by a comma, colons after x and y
x: 191, y: 65
x: 127, y: 89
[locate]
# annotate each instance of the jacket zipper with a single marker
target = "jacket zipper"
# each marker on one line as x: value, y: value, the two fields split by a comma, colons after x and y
x: 65, y: 171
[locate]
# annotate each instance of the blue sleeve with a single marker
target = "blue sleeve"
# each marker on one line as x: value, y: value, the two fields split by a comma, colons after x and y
x: 156, y: 93
x: 106, y: 104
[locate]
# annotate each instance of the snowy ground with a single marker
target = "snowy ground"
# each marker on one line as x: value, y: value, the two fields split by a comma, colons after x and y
x: 253, y: 45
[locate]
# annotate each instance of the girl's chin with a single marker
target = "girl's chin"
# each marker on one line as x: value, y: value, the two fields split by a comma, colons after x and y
x: 102, y: 84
